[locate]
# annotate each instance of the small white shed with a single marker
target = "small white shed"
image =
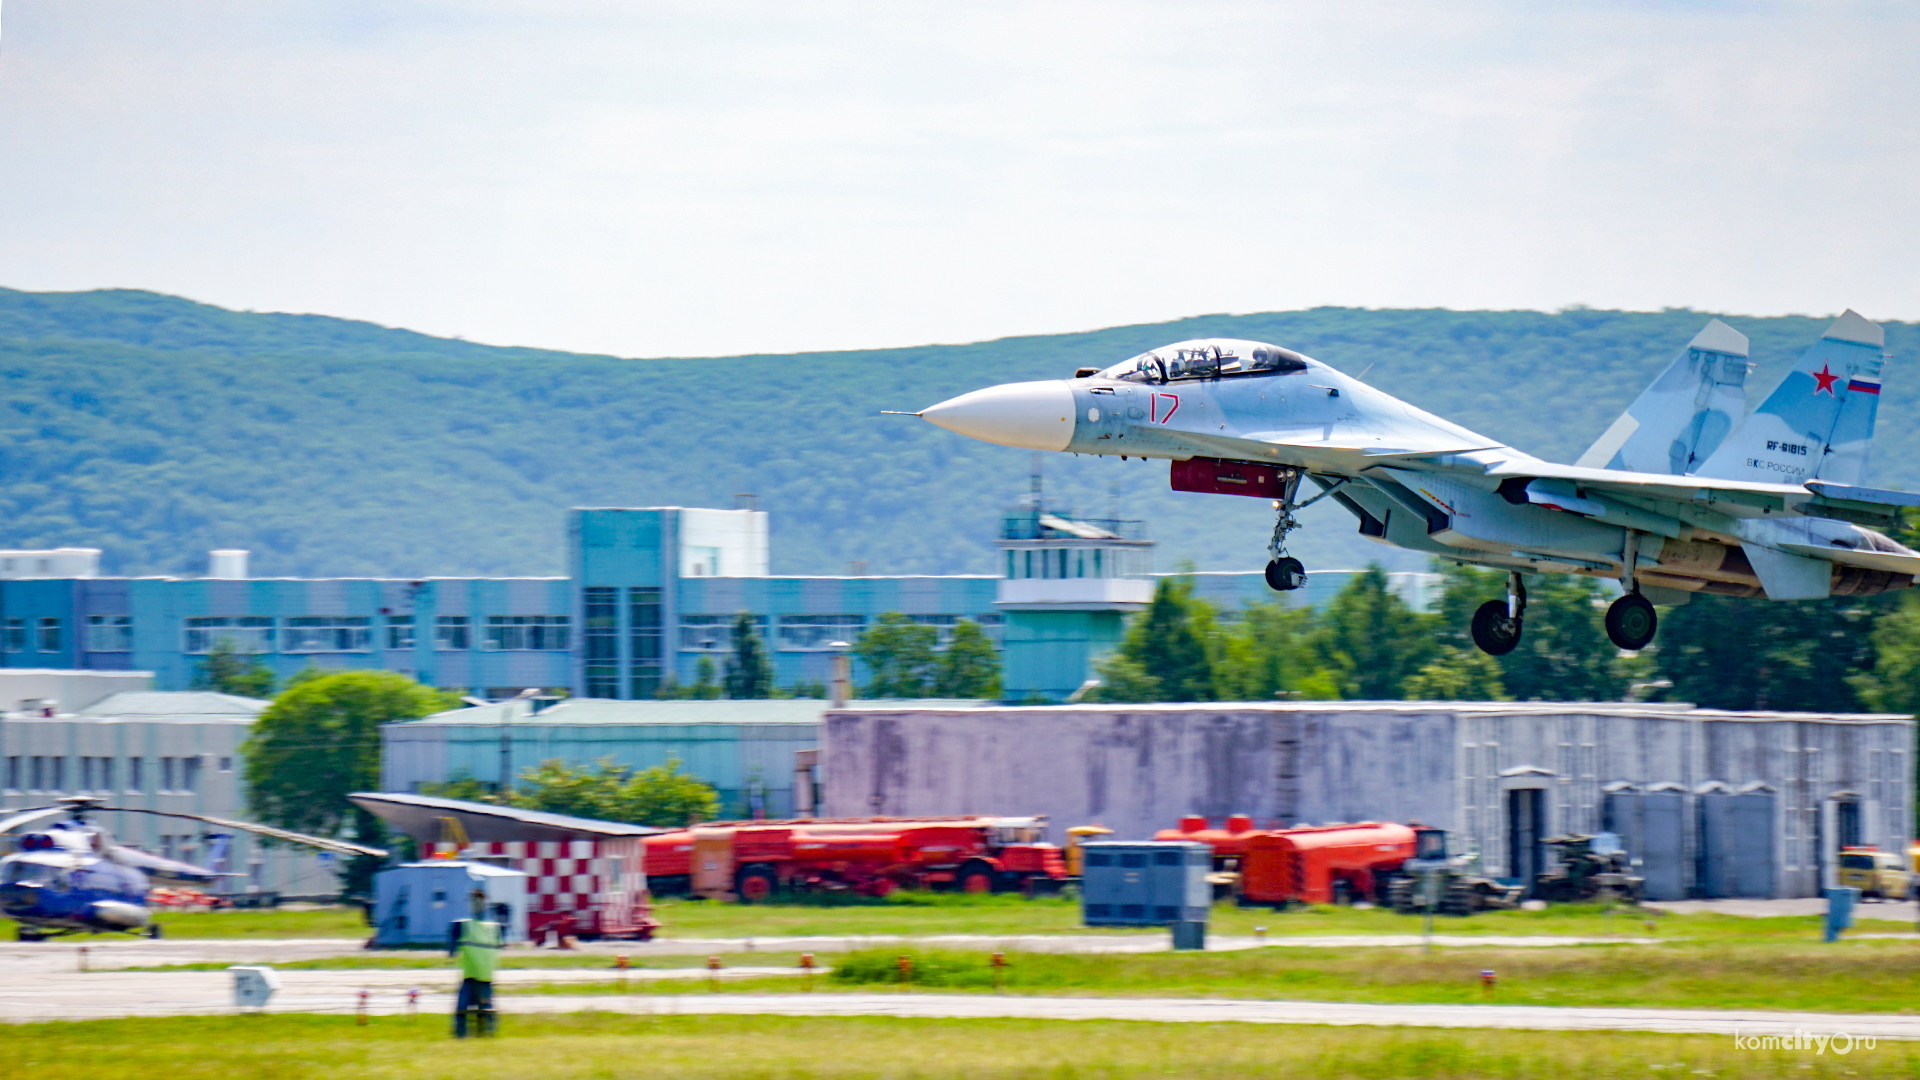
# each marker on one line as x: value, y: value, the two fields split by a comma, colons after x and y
x: 418, y: 903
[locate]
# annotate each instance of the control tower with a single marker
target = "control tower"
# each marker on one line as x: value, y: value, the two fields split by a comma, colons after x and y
x: 1069, y: 584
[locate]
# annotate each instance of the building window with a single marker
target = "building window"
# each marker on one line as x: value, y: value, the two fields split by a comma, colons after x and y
x: 246, y: 634
x: 399, y: 631
x: 328, y: 633
x: 49, y: 635
x: 991, y: 624
x: 136, y: 775
x: 16, y: 635
x: 600, y: 605
x: 450, y: 632
x: 714, y: 633
x: 58, y: 781
x: 190, y: 773
x: 109, y: 633
x: 643, y: 622
x: 226, y: 764
x: 520, y: 632
x: 166, y: 775
x: 816, y: 632
x: 13, y: 773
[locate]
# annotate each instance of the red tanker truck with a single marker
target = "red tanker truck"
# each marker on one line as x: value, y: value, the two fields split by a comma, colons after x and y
x: 753, y: 860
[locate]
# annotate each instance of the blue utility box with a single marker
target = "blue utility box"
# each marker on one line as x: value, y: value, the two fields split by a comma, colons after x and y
x: 418, y: 903
x: 1145, y: 883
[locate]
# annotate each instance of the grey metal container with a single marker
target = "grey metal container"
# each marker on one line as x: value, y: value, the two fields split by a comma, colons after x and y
x: 1145, y: 883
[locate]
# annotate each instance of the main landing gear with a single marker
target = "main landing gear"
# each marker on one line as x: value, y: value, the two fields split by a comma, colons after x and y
x: 1631, y: 622
x: 1496, y: 625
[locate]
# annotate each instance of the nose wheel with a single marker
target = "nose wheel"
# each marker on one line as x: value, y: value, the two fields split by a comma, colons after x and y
x: 1286, y: 574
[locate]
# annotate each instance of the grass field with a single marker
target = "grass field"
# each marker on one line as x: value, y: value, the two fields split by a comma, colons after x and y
x: 583, y: 1046
x: 933, y: 913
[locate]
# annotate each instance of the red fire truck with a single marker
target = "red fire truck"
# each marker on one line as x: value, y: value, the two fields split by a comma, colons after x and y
x: 753, y: 860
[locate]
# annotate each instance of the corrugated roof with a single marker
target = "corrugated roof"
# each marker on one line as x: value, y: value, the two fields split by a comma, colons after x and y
x: 602, y: 711
x: 174, y: 703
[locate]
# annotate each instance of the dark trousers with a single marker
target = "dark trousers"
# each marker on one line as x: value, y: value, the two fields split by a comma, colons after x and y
x: 475, y: 995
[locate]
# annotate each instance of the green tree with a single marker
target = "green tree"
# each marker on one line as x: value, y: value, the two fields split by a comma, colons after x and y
x: 1456, y: 674
x: 1735, y: 653
x: 749, y: 671
x: 1893, y: 685
x: 320, y: 741
x: 604, y: 791
x: 970, y: 666
x: 1124, y: 679
x: 703, y: 688
x: 1264, y: 655
x: 901, y: 656
x: 463, y: 786
x: 1167, y: 641
x: 1370, y: 641
x: 227, y: 670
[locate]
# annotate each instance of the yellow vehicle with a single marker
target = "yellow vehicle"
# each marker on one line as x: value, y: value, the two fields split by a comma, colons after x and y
x: 1877, y: 874
x: 1081, y: 834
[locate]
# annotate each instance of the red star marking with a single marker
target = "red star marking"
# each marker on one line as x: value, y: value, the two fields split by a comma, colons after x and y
x: 1826, y: 379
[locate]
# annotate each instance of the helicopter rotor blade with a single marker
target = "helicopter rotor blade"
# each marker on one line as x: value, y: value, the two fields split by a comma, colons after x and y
x: 22, y: 817
x: 338, y: 847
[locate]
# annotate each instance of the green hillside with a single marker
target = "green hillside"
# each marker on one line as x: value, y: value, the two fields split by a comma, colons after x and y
x: 156, y: 428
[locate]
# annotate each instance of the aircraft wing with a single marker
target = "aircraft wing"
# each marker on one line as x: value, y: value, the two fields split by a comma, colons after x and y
x: 1891, y: 562
x: 1306, y: 450
x: 1737, y: 498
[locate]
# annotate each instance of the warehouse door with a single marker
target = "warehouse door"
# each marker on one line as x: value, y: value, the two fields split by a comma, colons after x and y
x: 1663, y: 843
x: 1526, y: 819
x: 1753, y: 844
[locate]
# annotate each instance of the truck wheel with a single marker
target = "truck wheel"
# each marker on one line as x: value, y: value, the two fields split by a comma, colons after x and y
x: 756, y: 884
x: 975, y: 878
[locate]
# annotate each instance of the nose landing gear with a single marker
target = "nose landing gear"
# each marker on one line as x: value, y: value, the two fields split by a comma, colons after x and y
x: 1285, y: 573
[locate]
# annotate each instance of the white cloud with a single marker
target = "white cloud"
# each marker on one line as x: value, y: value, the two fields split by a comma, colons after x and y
x: 699, y: 178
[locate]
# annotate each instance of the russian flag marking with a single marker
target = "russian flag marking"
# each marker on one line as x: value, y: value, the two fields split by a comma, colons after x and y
x: 1864, y: 385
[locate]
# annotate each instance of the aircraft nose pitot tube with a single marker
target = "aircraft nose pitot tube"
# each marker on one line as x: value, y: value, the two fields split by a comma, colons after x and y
x: 1031, y: 415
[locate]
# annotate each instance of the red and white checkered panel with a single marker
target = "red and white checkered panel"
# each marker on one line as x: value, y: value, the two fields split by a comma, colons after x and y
x: 597, y: 882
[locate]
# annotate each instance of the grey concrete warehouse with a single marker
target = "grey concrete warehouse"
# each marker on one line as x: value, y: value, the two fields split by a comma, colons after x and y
x: 1710, y: 803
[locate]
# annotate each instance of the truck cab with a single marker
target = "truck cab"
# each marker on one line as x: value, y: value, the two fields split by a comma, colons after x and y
x: 1877, y: 874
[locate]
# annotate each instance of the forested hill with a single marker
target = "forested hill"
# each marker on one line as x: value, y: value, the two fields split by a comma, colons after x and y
x: 156, y: 428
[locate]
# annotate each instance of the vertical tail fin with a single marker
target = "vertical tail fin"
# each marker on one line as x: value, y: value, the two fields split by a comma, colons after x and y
x: 1681, y: 418
x: 1819, y: 421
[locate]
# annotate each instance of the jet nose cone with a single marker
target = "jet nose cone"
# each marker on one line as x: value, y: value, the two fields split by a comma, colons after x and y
x: 1031, y: 415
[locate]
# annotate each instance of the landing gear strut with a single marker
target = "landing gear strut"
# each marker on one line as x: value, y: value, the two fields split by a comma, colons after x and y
x: 1496, y: 625
x: 1285, y: 573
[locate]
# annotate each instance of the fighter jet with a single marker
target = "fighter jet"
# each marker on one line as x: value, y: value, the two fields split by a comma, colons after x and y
x: 1680, y: 495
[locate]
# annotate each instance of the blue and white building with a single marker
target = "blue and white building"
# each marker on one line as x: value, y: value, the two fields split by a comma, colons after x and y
x: 649, y: 592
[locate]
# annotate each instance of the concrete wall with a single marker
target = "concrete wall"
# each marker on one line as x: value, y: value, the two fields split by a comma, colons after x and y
x: 1139, y: 768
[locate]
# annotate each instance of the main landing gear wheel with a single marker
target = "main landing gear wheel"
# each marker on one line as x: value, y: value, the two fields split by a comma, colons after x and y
x: 1286, y: 574
x: 1631, y: 622
x: 1494, y: 630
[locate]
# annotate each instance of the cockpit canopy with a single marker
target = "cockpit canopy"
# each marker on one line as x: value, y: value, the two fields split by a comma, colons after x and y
x: 1210, y: 358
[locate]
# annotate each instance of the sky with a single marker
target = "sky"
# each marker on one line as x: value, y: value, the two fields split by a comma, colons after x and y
x: 708, y: 178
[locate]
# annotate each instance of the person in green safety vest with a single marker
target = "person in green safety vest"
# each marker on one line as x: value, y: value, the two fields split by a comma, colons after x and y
x: 477, y: 943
